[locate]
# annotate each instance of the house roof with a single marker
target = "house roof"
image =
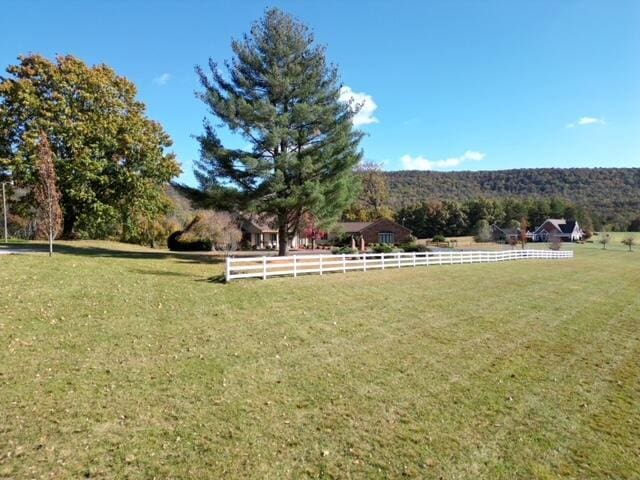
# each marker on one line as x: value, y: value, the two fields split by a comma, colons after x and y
x: 560, y: 224
x: 259, y: 224
x: 568, y: 226
x: 353, y: 227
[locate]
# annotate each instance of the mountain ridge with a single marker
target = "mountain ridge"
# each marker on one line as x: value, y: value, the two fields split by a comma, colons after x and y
x: 610, y: 194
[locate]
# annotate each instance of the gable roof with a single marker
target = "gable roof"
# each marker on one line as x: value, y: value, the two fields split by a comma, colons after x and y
x: 258, y: 224
x: 358, y: 227
x: 560, y: 224
x: 568, y: 227
x: 353, y: 227
x: 554, y: 222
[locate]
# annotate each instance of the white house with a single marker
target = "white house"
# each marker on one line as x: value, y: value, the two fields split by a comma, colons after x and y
x: 565, y: 230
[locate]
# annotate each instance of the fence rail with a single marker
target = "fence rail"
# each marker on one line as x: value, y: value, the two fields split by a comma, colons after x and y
x: 265, y: 267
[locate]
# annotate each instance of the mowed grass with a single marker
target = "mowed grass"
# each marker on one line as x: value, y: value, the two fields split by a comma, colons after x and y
x: 139, y: 364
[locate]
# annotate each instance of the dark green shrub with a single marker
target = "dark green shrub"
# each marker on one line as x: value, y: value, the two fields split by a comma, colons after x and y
x: 344, y: 250
x: 414, y: 247
x: 439, y: 238
x: 176, y: 245
x: 381, y: 248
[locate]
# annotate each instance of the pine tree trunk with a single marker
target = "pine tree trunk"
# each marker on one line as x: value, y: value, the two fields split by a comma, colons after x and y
x: 283, y: 237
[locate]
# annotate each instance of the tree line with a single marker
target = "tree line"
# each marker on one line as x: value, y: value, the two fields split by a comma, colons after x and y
x: 451, y: 218
x: 611, y: 196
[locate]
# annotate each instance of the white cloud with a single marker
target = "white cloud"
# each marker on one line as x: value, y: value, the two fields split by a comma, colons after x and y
x: 586, y: 121
x: 360, y: 100
x: 162, y: 80
x: 423, y: 163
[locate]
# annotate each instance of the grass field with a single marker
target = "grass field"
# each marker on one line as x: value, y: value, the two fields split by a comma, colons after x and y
x: 123, y: 362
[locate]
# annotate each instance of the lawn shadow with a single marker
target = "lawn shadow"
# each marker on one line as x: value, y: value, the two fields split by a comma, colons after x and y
x: 162, y: 273
x: 214, y: 279
x: 67, y: 249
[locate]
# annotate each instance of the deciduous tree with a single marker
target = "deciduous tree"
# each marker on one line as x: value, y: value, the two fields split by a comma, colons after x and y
x: 629, y: 241
x: 110, y: 159
x: 47, y: 197
x: 604, y: 238
x: 373, y: 195
x: 220, y: 228
x: 522, y: 232
x: 282, y: 97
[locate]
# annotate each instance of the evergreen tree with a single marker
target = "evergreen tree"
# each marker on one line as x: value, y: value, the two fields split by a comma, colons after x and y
x: 282, y: 98
x: 482, y: 231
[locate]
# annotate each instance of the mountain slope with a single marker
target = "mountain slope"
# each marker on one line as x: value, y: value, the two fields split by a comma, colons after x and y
x: 612, y: 194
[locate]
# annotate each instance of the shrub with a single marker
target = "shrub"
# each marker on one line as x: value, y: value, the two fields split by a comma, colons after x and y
x: 344, y: 250
x: 176, y: 244
x: 438, y: 238
x: 414, y: 247
x: 218, y: 228
x: 555, y: 243
x: 381, y: 248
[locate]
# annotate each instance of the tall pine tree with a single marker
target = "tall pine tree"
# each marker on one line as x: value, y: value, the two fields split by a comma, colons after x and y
x: 283, y: 98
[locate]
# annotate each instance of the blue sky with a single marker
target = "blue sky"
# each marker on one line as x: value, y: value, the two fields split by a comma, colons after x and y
x: 448, y: 85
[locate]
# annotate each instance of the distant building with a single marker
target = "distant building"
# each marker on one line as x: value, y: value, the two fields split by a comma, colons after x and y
x: 505, y: 234
x: 565, y: 230
x: 382, y: 230
x: 262, y: 234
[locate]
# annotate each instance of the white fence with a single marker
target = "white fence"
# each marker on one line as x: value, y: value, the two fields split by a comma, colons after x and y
x: 265, y: 267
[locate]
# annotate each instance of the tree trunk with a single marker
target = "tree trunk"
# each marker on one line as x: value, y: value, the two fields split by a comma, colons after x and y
x: 68, y: 224
x: 283, y: 237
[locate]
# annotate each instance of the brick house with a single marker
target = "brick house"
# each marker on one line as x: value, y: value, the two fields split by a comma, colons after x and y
x: 382, y: 230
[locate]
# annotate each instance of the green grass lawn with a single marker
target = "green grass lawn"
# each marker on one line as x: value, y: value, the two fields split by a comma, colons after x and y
x: 122, y: 362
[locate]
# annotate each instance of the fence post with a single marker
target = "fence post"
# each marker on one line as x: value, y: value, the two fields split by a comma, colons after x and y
x: 414, y: 259
x: 398, y: 257
x: 321, y: 264
x: 227, y: 268
x: 295, y: 266
x: 344, y: 264
x: 364, y: 262
x: 382, y: 259
x: 264, y: 268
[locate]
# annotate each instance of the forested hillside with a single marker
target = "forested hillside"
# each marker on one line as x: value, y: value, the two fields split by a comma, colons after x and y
x: 611, y: 195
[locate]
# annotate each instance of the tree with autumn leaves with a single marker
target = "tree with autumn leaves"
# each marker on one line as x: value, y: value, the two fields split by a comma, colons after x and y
x: 111, y: 161
x: 46, y: 194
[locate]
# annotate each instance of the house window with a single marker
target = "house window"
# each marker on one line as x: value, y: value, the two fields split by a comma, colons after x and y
x: 385, y: 237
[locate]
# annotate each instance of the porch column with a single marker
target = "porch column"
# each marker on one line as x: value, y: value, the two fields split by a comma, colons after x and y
x: 261, y: 240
